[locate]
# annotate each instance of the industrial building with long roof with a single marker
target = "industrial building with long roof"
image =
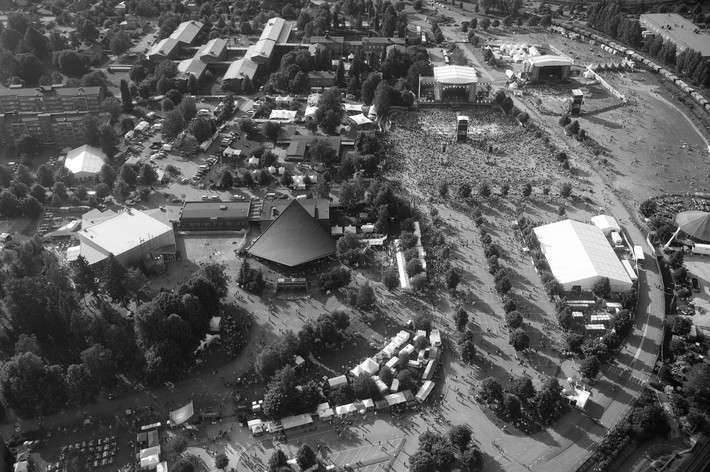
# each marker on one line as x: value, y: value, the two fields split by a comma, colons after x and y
x: 580, y: 255
x: 293, y: 238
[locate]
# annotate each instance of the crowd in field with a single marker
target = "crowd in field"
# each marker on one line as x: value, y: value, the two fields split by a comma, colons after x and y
x: 497, y: 151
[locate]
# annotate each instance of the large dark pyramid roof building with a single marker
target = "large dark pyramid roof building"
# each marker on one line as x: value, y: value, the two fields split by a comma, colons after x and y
x: 293, y: 238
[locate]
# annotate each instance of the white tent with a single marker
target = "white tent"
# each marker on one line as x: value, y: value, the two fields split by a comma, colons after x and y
x: 360, y: 120
x: 369, y: 366
x: 606, y: 223
x: 424, y: 392
x: 229, y: 152
x: 339, y: 381
x: 345, y: 410
x: 580, y: 255
x: 310, y: 111
x: 253, y: 161
x: 85, y: 162
x: 282, y: 115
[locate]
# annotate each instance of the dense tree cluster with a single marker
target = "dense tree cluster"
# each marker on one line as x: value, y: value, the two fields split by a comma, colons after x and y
x: 252, y: 280
x: 315, y: 336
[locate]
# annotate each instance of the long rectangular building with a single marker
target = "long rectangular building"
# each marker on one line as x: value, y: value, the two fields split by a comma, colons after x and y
x: 62, y: 129
x: 213, y: 216
x: 50, y: 99
x: 679, y: 31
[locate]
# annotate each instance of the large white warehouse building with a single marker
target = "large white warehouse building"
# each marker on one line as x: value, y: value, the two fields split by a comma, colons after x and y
x: 580, y: 255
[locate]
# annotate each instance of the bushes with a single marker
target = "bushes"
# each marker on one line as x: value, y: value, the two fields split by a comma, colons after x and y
x: 334, y: 279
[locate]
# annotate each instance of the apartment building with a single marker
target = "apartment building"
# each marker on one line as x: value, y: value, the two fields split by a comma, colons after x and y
x: 50, y: 99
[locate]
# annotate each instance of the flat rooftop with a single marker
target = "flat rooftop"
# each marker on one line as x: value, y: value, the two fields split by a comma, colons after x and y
x: 214, y: 210
x: 681, y: 31
x: 124, y: 231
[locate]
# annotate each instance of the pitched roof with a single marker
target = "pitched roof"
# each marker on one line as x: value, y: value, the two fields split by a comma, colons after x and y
x: 187, y: 31
x: 293, y: 238
x: 578, y: 251
x: 85, y: 159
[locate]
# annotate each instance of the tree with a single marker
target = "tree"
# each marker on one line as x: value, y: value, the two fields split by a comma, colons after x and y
x: 511, y: 406
x: 31, y: 68
x: 115, y: 285
x: 484, y: 190
x: 147, y: 175
x: 523, y: 388
x: 602, y: 288
x: 390, y: 278
x: 453, y: 278
x: 549, y: 400
x: 485, y: 23
x: 278, y: 461
x: 491, y: 390
x: 545, y: 21
x: 30, y: 386
x: 589, y: 367
x: 305, y: 457
x: 9, y: 204
x: 84, y: 277
x: 10, y: 39
x: 329, y: 112
x: 369, y: 86
x: 519, y: 339
x: 464, y: 190
x: 460, y: 436
x: 507, y: 104
x: 698, y: 381
x: 349, y: 249
x: 322, y: 151
x: 461, y: 319
x: 271, y: 130
x: 178, y: 444
x: 468, y: 349
x: 107, y: 175
x: 422, y: 461
x: 572, y: 128
x: 27, y: 144
x: 71, y: 63
x: 226, y: 181
x: 120, y: 42
x: 527, y: 189
x: 334, y: 279
x: 81, y: 387
x: 36, y: 43
x: 128, y: 174
x: 472, y: 459
x: 649, y: 421
x: 514, y: 319
x: 566, y: 190
x: 364, y: 386
x: 173, y: 124
x: 221, y: 461
x: 31, y: 207
x: 681, y: 325
x: 201, y: 129
x: 113, y: 107
x: 366, y: 297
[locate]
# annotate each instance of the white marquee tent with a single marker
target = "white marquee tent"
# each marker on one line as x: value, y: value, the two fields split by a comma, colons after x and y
x: 580, y: 255
x: 606, y: 223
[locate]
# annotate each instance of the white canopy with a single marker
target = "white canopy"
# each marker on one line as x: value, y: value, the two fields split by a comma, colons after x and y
x: 344, y: 410
x: 579, y: 254
x: 310, y: 111
x: 360, y: 120
x: 606, y: 223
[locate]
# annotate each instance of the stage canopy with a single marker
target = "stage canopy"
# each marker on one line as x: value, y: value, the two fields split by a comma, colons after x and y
x: 695, y: 224
x: 455, y: 75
